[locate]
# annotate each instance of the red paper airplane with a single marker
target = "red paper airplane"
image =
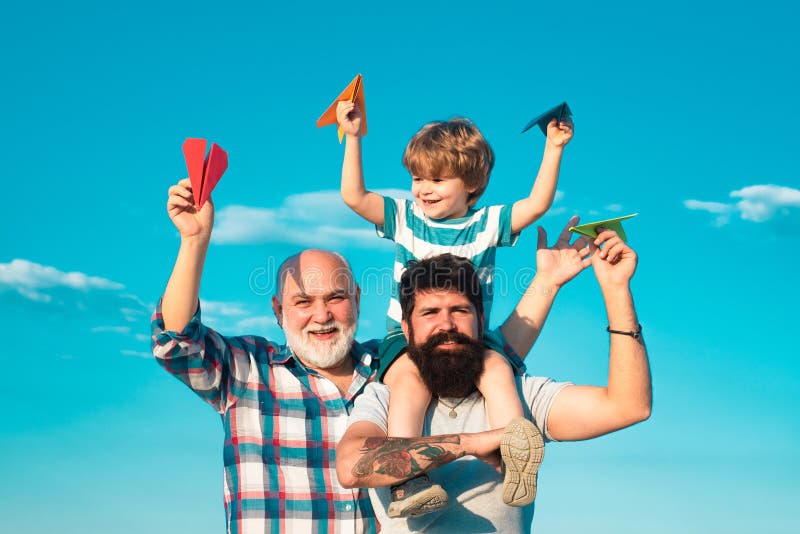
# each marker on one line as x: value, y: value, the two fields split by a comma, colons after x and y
x: 204, y: 172
x: 354, y: 92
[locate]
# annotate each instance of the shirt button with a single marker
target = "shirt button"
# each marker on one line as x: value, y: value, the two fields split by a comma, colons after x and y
x: 348, y: 507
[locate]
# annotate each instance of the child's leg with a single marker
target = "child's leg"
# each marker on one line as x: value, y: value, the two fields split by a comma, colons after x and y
x: 408, y: 401
x: 499, y: 389
x: 408, y: 398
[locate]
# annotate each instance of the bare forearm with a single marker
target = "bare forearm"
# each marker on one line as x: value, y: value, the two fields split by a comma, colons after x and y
x: 629, y: 383
x: 180, y: 297
x: 525, y: 323
x: 544, y: 187
x: 531, y: 208
x: 377, y: 461
x: 353, y: 188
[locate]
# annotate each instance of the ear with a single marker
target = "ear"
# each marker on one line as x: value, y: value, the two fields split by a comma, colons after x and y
x: 358, y: 300
x: 404, y: 326
x: 277, y: 309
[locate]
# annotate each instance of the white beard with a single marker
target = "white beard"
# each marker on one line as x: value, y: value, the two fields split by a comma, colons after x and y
x: 322, y: 354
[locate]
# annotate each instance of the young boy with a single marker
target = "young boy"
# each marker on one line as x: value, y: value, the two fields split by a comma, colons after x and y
x: 450, y: 163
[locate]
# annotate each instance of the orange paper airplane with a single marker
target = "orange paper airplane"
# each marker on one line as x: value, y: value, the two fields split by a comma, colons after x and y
x: 204, y: 171
x: 353, y: 93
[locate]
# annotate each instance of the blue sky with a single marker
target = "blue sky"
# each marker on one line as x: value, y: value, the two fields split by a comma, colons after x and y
x: 685, y: 112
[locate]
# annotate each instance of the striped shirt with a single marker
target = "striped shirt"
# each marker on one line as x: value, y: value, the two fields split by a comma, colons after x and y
x: 474, y: 236
x: 282, y: 422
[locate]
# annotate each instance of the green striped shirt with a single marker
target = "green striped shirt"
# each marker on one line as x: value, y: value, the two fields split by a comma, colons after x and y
x: 475, y: 236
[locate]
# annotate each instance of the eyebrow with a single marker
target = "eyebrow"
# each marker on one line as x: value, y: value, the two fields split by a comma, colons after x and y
x: 334, y: 293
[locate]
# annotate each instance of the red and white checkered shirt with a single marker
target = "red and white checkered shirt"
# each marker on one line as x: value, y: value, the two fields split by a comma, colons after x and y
x: 282, y: 422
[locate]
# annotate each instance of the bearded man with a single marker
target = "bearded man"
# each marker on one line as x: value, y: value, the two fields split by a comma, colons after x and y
x: 442, y: 318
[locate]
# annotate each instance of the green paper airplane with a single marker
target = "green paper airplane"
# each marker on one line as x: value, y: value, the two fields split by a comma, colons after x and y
x: 588, y: 229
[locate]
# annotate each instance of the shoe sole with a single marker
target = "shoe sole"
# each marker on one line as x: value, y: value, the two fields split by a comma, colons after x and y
x: 424, y: 502
x: 522, y: 449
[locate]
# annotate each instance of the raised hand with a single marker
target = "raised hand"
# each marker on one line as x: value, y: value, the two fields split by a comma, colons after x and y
x: 348, y: 115
x: 559, y: 133
x: 190, y: 222
x: 563, y: 261
x: 615, y: 262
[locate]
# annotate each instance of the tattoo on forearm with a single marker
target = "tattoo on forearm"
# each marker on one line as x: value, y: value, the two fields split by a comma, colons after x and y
x: 405, y: 457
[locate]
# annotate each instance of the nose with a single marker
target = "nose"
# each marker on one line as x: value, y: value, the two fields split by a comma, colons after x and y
x: 320, y: 313
x: 446, y: 323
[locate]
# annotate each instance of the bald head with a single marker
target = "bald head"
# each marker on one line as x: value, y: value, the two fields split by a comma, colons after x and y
x: 312, y: 267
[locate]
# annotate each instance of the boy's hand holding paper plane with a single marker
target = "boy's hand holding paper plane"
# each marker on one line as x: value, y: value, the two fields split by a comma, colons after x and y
x: 561, y: 113
x: 348, y: 115
x: 353, y: 93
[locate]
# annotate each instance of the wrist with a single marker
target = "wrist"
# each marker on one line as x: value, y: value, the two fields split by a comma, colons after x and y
x: 616, y: 289
x: 546, y: 284
x: 196, y: 241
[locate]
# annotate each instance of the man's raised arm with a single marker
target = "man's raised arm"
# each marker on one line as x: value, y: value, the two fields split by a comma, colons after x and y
x: 583, y: 412
x: 179, y: 303
x: 555, y: 266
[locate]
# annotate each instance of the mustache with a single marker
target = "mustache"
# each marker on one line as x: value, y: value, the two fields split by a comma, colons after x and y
x: 332, y: 324
x: 446, y: 337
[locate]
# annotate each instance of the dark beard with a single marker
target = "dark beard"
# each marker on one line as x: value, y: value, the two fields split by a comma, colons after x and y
x: 448, y: 372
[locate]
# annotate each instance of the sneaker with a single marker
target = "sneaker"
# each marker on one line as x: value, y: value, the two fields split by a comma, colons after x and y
x: 522, y: 449
x: 416, y: 496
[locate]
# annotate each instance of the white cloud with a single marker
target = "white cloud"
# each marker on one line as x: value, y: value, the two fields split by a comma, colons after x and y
x: 614, y: 207
x: 225, y: 309
x: 114, y: 329
x: 27, y: 275
x: 259, y: 324
x: 35, y: 296
x: 759, y: 203
x: 711, y: 207
x: 136, y: 353
x: 315, y: 219
x: 79, y: 296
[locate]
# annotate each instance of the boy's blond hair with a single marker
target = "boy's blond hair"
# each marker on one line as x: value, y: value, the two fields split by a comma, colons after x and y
x: 451, y: 148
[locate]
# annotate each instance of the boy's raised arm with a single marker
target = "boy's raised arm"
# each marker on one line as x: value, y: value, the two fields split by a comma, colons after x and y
x: 532, y: 207
x: 181, y: 295
x: 354, y: 193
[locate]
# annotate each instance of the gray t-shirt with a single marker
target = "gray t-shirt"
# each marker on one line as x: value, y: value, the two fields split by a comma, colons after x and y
x: 475, y: 489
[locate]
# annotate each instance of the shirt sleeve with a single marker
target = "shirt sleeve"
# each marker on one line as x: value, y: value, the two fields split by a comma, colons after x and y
x: 504, y: 236
x: 215, y: 367
x: 391, y: 207
x: 539, y: 394
x: 372, y: 405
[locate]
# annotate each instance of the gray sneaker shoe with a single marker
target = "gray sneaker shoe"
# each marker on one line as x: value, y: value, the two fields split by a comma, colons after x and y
x: 522, y: 449
x: 416, y: 496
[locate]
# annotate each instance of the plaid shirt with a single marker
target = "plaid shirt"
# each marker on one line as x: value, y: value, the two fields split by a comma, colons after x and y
x: 282, y: 422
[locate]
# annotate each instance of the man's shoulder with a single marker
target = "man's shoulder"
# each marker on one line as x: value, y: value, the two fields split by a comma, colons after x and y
x: 370, y: 346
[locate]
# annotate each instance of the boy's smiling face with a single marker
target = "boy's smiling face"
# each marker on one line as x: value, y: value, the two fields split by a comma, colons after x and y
x: 441, y: 198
